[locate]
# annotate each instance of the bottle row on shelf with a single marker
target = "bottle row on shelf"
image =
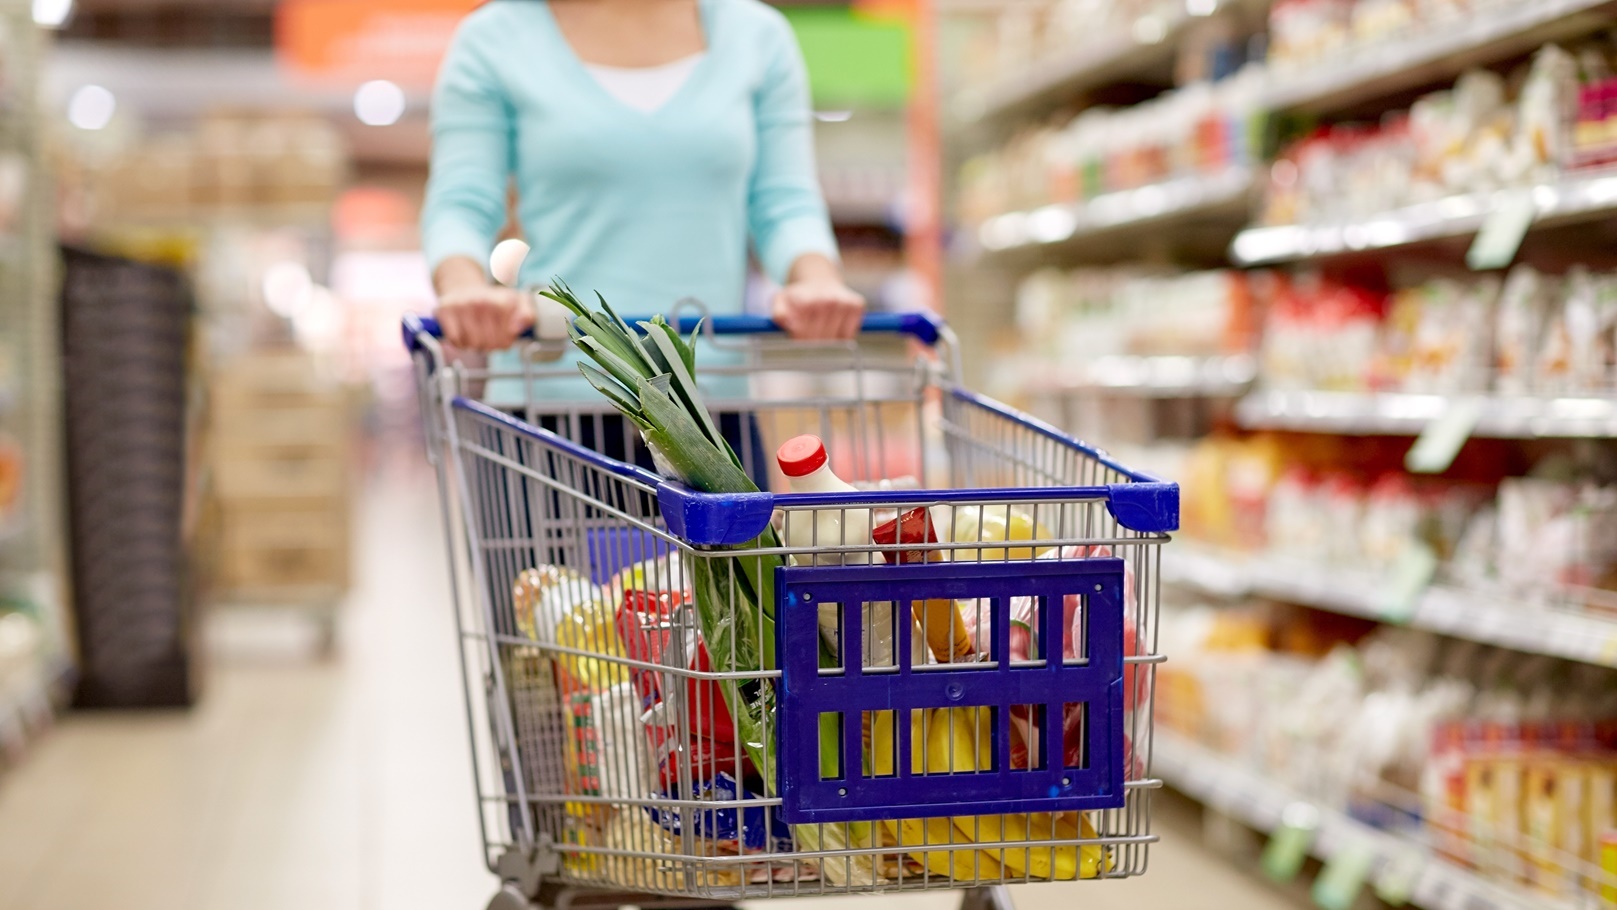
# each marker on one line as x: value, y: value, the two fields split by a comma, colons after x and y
x: 1499, y: 769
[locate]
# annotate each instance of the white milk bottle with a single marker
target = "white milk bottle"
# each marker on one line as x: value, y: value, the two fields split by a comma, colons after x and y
x: 808, y: 470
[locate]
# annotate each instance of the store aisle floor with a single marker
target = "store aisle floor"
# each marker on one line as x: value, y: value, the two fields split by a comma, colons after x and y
x: 342, y: 785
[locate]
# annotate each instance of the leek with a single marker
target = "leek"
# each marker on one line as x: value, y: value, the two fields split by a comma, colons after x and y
x: 649, y: 376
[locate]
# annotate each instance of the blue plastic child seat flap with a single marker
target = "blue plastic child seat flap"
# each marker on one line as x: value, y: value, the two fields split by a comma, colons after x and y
x: 1042, y: 689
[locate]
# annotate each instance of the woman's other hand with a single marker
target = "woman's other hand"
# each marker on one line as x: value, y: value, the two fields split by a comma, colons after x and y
x: 815, y: 304
x: 476, y: 315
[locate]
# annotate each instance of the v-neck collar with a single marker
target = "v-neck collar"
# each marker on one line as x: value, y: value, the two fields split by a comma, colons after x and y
x: 580, y: 70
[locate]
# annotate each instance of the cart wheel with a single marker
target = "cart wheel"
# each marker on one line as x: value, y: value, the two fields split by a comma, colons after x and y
x: 510, y: 898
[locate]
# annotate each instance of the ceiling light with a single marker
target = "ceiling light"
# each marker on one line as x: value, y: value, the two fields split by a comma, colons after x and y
x: 91, y: 107
x: 52, y: 13
x: 379, y: 103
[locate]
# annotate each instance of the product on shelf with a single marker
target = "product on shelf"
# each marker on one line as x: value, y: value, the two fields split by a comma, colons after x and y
x: 1307, y: 33
x: 1547, y: 537
x: 1530, y: 334
x: 1071, y: 318
x: 1503, y: 764
x: 1202, y: 129
x: 1476, y: 137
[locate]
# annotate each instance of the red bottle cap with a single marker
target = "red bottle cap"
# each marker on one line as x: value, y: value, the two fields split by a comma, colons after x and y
x: 801, y: 456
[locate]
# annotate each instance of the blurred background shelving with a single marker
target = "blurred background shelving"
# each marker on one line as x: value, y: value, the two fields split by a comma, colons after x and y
x: 1340, y: 268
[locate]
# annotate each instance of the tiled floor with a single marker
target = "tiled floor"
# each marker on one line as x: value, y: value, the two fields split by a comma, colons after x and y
x: 345, y: 785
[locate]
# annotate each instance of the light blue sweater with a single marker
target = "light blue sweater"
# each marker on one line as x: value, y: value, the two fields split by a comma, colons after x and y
x: 646, y: 208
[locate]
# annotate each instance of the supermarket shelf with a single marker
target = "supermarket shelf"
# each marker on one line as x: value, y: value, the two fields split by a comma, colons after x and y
x: 1568, y: 201
x: 1152, y: 377
x: 1489, y: 618
x: 1389, y: 414
x: 1147, y: 44
x: 1183, y: 198
x: 1256, y: 800
x: 1391, y: 65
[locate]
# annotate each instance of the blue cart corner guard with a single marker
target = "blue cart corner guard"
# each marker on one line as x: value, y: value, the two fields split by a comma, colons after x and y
x: 1047, y: 687
x: 1150, y: 508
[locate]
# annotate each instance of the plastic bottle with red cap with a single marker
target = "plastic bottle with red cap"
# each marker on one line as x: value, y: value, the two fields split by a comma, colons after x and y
x: 808, y: 470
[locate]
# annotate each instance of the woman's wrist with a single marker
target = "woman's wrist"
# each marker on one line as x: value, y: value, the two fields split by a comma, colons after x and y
x: 459, y: 273
x: 814, y: 268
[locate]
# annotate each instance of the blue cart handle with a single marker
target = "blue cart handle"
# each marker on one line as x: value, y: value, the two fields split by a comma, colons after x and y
x: 924, y: 327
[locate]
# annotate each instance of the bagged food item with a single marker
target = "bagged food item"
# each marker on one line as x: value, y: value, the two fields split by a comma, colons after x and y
x: 637, y: 835
x: 648, y: 623
x: 1519, y: 333
x: 556, y: 606
x: 609, y: 755
x: 665, y: 574
x: 747, y: 831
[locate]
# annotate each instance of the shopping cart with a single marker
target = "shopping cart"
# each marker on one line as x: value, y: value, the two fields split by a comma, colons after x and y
x: 957, y: 698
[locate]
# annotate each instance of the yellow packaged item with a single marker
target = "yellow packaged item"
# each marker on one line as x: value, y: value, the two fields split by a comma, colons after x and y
x: 990, y: 524
x: 950, y: 740
x: 558, y: 607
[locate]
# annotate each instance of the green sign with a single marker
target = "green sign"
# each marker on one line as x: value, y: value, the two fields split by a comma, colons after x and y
x: 854, y: 60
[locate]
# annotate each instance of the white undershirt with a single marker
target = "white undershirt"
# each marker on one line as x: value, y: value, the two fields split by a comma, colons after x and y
x: 645, y: 88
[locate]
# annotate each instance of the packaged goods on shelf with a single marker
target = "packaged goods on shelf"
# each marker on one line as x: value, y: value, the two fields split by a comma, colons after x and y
x: 280, y: 475
x: 1531, y: 333
x: 1472, y: 138
x: 1549, y: 537
x: 1070, y: 317
x: 1024, y: 32
x: 1030, y: 40
x: 1203, y: 129
x: 229, y: 164
x: 1306, y: 33
x: 1503, y: 764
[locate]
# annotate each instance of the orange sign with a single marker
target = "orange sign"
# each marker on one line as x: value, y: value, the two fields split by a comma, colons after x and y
x: 352, y: 41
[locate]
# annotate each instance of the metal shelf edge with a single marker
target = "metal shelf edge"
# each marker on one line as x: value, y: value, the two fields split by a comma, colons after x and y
x: 1407, y: 414
x: 1180, y: 197
x: 1459, y: 613
x: 1577, y: 196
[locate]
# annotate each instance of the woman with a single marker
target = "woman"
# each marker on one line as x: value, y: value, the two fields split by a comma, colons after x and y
x: 650, y: 140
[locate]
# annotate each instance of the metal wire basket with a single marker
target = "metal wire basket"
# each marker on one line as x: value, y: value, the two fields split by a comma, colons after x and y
x: 945, y: 682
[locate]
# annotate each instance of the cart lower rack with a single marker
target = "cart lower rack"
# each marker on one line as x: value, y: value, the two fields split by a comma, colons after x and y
x: 948, y: 686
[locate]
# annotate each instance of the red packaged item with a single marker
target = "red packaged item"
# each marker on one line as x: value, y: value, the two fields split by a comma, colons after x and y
x: 645, y: 628
x: 947, y: 635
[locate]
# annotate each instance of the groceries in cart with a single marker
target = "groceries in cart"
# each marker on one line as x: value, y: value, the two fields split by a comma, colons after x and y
x: 654, y: 626
x: 698, y: 687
